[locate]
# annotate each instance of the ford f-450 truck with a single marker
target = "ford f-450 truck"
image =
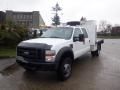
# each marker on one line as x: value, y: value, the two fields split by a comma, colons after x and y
x: 58, y: 47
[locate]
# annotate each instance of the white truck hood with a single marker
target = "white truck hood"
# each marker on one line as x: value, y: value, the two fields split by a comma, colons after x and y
x: 49, y: 41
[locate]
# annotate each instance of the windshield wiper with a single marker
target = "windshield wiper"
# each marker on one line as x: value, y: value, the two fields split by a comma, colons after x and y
x: 52, y: 37
x: 44, y: 37
x: 55, y: 37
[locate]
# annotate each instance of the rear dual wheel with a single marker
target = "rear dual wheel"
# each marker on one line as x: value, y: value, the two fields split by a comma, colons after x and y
x: 95, y: 53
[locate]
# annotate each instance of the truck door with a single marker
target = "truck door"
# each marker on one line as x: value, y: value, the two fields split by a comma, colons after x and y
x: 77, y: 45
x: 87, y: 40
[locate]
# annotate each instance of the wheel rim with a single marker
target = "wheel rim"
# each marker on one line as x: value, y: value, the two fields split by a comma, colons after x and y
x: 98, y: 52
x: 67, y: 70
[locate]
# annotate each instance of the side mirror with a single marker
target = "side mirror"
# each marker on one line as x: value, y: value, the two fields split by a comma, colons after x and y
x: 75, y: 39
x: 41, y: 32
x: 81, y: 37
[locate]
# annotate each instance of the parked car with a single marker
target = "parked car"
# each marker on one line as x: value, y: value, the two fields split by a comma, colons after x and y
x: 33, y: 33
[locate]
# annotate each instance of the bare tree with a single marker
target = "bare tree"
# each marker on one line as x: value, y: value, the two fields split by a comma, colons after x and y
x: 102, y: 25
x: 83, y: 19
x: 108, y: 28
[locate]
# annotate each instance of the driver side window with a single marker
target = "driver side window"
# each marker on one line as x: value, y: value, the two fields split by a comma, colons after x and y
x: 77, y: 32
x: 85, y: 32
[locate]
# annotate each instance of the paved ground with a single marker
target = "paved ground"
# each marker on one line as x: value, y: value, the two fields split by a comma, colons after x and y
x: 89, y: 73
x: 6, y: 63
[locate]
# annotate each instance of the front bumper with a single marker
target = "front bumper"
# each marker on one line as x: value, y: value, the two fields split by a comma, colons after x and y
x: 39, y: 66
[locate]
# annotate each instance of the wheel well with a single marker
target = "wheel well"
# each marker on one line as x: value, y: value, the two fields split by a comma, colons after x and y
x: 67, y: 54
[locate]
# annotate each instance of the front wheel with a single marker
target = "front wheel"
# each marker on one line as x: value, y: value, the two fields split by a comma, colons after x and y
x: 65, y: 69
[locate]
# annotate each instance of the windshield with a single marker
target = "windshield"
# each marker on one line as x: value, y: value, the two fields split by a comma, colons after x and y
x: 58, y: 32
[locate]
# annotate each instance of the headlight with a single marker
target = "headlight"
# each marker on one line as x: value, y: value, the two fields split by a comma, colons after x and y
x: 49, y: 55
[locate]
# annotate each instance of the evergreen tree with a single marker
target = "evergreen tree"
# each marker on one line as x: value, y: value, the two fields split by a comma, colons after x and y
x: 56, y: 18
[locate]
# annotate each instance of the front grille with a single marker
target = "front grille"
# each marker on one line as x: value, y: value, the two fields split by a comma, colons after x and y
x: 30, y: 54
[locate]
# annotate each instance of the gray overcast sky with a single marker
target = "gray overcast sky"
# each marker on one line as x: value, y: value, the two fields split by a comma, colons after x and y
x: 72, y: 9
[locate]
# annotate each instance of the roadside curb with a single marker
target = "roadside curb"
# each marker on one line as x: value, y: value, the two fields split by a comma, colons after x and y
x: 6, y: 62
x: 4, y: 57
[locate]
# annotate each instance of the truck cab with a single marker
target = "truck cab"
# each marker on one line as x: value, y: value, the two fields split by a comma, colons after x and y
x: 56, y: 50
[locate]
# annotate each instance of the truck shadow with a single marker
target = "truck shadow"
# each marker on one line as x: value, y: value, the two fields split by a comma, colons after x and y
x: 81, y: 63
x: 83, y: 68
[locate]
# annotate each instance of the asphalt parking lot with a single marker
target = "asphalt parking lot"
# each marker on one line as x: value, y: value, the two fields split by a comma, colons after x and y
x: 99, y: 73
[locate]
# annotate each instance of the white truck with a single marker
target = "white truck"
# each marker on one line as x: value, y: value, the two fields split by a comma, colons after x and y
x: 58, y: 47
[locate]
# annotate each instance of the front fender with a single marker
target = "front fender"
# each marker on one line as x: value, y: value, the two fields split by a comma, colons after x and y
x: 62, y: 52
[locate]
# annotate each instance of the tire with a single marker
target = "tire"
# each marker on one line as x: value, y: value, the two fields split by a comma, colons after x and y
x: 95, y: 53
x: 65, y: 69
